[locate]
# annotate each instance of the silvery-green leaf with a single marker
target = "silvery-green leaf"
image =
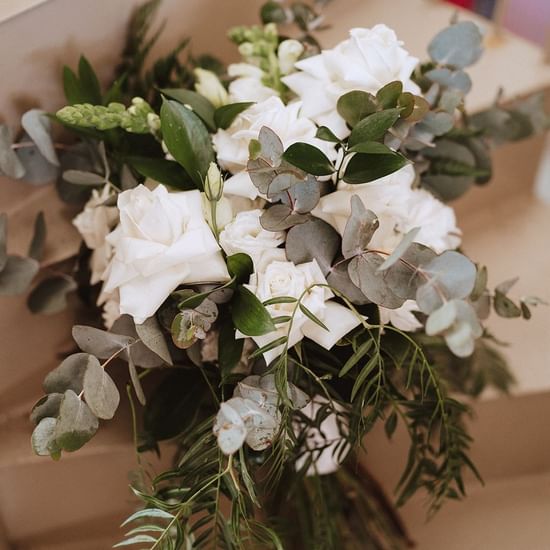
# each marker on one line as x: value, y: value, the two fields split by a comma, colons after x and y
x: 50, y: 295
x: 450, y: 100
x: 80, y: 177
x: 447, y: 188
x: 482, y: 305
x: 428, y: 298
x: 313, y: 240
x: 151, y: 335
x: 282, y: 182
x: 76, y: 424
x: 359, y: 229
x: 304, y: 196
x: 458, y: 80
x: 459, y: 45
x: 505, y: 287
x: 480, y: 284
x: 69, y: 375
x: 438, y: 123
x: 46, y: 407
x: 363, y: 272
x: 442, y: 319
x: 43, y: 437
x: 100, y: 391
x: 38, y: 126
x: 134, y: 378
x: 229, y: 428
x: 272, y: 146
x: 400, y: 249
x: 338, y: 278
x: 141, y: 354
x: 261, y: 173
x: 17, y: 275
x: 504, y: 307
x: 38, y: 170
x: 10, y: 165
x: 447, y: 149
x: 460, y: 340
x: 280, y: 217
x: 99, y: 342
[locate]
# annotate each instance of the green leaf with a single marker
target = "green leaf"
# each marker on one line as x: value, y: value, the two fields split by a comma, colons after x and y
x: 71, y: 87
x: 69, y: 375
x: 36, y: 248
x: 459, y: 45
x: 134, y: 378
x: 164, y: 171
x: 43, y: 437
x: 226, y: 114
x: 17, y: 275
x: 268, y: 347
x: 388, y: 96
x: 46, y: 407
x: 374, y: 126
x: 148, y: 513
x: 89, y: 84
x: 135, y: 540
x: 76, y: 424
x: 326, y: 134
x: 198, y: 103
x: 371, y: 148
x: 280, y: 300
x: 273, y: 12
x: 480, y: 284
x: 365, y: 371
x: 309, y: 158
x: 400, y: 249
x: 81, y: 177
x: 50, y: 295
x: 504, y: 307
x: 100, y: 391
x: 152, y: 336
x: 240, y: 267
x: 230, y: 348
x: 310, y: 315
x: 187, y: 139
x: 391, y: 424
x: 363, y: 168
x: 249, y: 315
x: 359, y: 353
x: 355, y: 105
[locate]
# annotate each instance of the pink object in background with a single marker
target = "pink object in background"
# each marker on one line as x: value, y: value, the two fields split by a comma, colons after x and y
x: 529, y: 18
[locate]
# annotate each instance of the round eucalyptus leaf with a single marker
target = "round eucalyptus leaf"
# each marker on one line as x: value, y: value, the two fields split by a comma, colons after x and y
x: 280, y: 217
x: 46, y: 407
x: 339, y: 279
x: 17, y: 275
x: 43, y: 437
x: 99, y: 342
x: 459, y: 45
x: 69, y: 375
x: 458, y: 80
x: 360, y: 228
x: 100, y: 391
x: 152, y: 336
x: 50, y: 295
x: 37, y: 125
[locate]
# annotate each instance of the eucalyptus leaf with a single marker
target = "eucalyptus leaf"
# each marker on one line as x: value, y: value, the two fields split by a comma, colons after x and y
x: 280, y: 217
x: 458, y: 79
x: 400, y: 249
x: 46, y: 407
x: 50, y: 295
x: 100, y: 391
x: 150, y: 333
x: 38, y: 171
x: 272, y: 146
x: 17, y: 275
x: 80, y: 177
x: 136, y: 382
x: 313, y: 240
x: 69, y: 375
x: 10, y: 165
x: 99, y: 342
x: 438, y: 123
x: 226, y: 114
x: 43, y: 437
x: 3, y: 240
x: 459, y: 45
x: 388, y: 95
x: 360, y: 227
x: 38, y: 126
x: 187, y: 139
x: 302, y: 197
x: 338, y: 278
x: 249, y: 315
x: 76, y: 424
x: 504, y: 307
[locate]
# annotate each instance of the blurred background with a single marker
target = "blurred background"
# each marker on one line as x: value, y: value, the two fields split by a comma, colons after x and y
x: 506, y: 224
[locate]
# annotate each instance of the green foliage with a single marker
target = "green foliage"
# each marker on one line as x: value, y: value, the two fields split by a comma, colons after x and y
x: 226, y: 114
x: 249, y: 314
x: 308, y: 158
x: 187, y: 139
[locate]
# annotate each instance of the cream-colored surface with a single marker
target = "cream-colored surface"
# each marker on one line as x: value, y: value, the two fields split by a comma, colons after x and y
x: 12, y: 8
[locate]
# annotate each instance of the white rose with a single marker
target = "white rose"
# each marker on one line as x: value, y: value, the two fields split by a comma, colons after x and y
x: 275, y: 277
x: 402, y: 317
x: 111, y: 308
x: 208, y: 85
x: 323, y: 445
x: 245, y: 234
x: 162, y: 241
x: 285, y: 120
x: 248, y: 86
x: 399, y: 209
x: 94, y: 223
x: 368, y: 60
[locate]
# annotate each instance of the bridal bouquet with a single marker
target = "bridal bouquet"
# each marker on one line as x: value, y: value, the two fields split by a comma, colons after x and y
x: 274, y: 258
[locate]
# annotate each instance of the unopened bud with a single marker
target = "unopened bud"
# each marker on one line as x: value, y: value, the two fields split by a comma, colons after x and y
x: 208, y: 85
x: 213, y: 185
x: 288, y: 53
